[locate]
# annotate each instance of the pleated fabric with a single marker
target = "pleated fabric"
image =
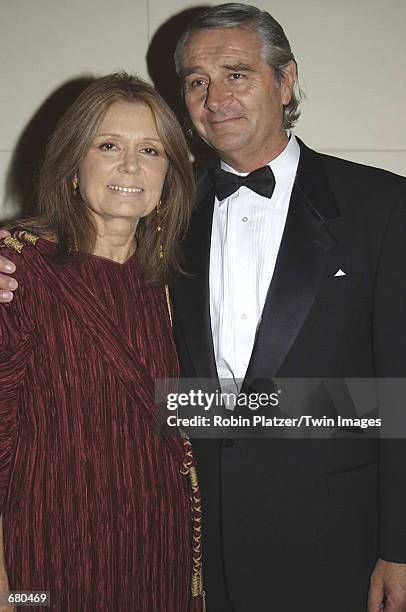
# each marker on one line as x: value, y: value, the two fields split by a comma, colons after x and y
x: 95, y: 509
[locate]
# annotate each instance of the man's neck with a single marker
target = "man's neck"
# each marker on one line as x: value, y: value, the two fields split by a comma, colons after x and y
x: 250, y: 161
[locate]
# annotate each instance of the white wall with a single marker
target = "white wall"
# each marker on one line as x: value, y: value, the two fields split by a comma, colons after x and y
x: 351, y: 58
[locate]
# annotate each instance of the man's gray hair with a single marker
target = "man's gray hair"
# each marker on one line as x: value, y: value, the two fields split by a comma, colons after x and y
x: 276, y: 49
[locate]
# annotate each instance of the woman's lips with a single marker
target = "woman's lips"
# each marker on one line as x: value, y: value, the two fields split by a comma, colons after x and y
x: 124, y: 189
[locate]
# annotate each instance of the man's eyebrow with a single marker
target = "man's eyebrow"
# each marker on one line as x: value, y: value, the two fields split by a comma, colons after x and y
x: 239, y: 67
x: 188, y: 71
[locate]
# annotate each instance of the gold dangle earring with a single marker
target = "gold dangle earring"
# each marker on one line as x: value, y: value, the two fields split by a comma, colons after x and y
x: 159, y: 230
x: 161, y: 256
x: 75, y: 184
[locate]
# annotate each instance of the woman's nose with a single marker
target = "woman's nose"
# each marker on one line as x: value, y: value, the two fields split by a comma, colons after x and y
x: 130, y: 162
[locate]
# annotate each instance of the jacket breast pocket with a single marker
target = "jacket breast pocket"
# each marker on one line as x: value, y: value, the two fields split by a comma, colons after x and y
x: 354, y: 486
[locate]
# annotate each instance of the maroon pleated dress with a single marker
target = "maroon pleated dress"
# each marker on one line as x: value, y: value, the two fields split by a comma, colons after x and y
x: 95, y: 508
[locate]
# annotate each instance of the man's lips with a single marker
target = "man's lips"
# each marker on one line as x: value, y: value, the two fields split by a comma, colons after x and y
x: 222, y: 121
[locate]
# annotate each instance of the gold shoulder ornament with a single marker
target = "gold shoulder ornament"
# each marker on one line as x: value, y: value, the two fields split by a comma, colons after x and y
x: 17, y: 240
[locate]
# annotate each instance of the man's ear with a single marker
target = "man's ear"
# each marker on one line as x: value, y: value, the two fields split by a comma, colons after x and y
x: 288, y: 82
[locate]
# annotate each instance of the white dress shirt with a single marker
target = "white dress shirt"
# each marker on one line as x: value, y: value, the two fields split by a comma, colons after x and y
x: 246, y: 235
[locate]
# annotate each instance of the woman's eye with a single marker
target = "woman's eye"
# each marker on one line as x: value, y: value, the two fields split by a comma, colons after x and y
x: 150, y: 151
x: 108, y: 146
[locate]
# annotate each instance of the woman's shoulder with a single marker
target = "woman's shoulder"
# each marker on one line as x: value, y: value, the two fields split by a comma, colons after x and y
x: 30, y: 254
x: 19, y: 315
x: 25, y: 250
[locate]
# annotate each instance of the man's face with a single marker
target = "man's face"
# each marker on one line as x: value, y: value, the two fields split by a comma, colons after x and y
x: 233, y: 97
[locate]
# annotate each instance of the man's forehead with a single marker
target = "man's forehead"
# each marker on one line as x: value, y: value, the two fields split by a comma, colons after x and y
x: 222, y: 44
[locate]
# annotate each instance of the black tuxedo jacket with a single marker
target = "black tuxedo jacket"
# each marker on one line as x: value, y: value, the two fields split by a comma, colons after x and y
x: 298, y: 524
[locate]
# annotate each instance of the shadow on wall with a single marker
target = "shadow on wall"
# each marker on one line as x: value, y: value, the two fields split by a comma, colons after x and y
x: 161, y: 69
x: 22, y: 177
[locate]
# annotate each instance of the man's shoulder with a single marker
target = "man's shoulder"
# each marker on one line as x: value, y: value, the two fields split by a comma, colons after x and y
x: 334, y: 164
x: 366, y: 189
x: 356, y: 188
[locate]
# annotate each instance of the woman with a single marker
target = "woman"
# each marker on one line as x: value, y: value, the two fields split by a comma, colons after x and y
x: 95, y: 504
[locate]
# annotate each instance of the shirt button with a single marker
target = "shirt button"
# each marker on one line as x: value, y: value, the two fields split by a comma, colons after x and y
x: 245, y: 219
x: 243, y: 316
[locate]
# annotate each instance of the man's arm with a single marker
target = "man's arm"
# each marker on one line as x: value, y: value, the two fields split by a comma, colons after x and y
x: 388, y: 580
x: 7, y: 283
x: 388, y: 584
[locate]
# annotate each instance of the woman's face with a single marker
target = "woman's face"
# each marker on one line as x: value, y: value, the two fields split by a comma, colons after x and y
x: 122, y: 175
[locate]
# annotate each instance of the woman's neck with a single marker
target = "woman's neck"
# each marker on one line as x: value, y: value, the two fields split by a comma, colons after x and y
x: 115, y: 241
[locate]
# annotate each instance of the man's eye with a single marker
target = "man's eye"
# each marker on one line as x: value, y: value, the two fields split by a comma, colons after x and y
x: 236, y: 76
x: 108, y: 146
x: 196, y: 83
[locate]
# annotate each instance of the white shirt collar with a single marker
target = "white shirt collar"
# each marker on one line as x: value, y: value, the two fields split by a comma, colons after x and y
x: 284, y: 166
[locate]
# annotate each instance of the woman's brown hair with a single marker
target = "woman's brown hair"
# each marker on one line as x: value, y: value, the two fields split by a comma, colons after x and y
x: 62, y: 212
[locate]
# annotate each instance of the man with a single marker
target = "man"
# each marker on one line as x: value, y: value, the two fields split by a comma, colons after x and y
x: 299, y: 280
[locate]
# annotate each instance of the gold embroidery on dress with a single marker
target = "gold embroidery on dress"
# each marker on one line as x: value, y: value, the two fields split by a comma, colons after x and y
x: 16, y: 241
x: 188, y: 469
x: 13, y: 243
x: 24, y: 235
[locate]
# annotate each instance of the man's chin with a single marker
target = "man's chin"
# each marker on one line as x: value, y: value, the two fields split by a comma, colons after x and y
x: 226, y: 142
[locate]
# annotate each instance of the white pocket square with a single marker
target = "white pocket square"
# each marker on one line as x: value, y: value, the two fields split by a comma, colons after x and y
x: 340, y: 273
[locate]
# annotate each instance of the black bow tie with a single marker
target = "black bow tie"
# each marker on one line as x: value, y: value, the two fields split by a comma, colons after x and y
x: 262, y: 181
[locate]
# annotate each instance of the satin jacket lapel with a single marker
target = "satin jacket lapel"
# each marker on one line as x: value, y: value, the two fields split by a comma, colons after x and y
x: 306, y: 242
x: 191, y: 294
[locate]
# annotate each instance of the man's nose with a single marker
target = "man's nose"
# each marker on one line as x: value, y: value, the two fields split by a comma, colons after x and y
x: 130, y: 161
x: 217, y: 96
